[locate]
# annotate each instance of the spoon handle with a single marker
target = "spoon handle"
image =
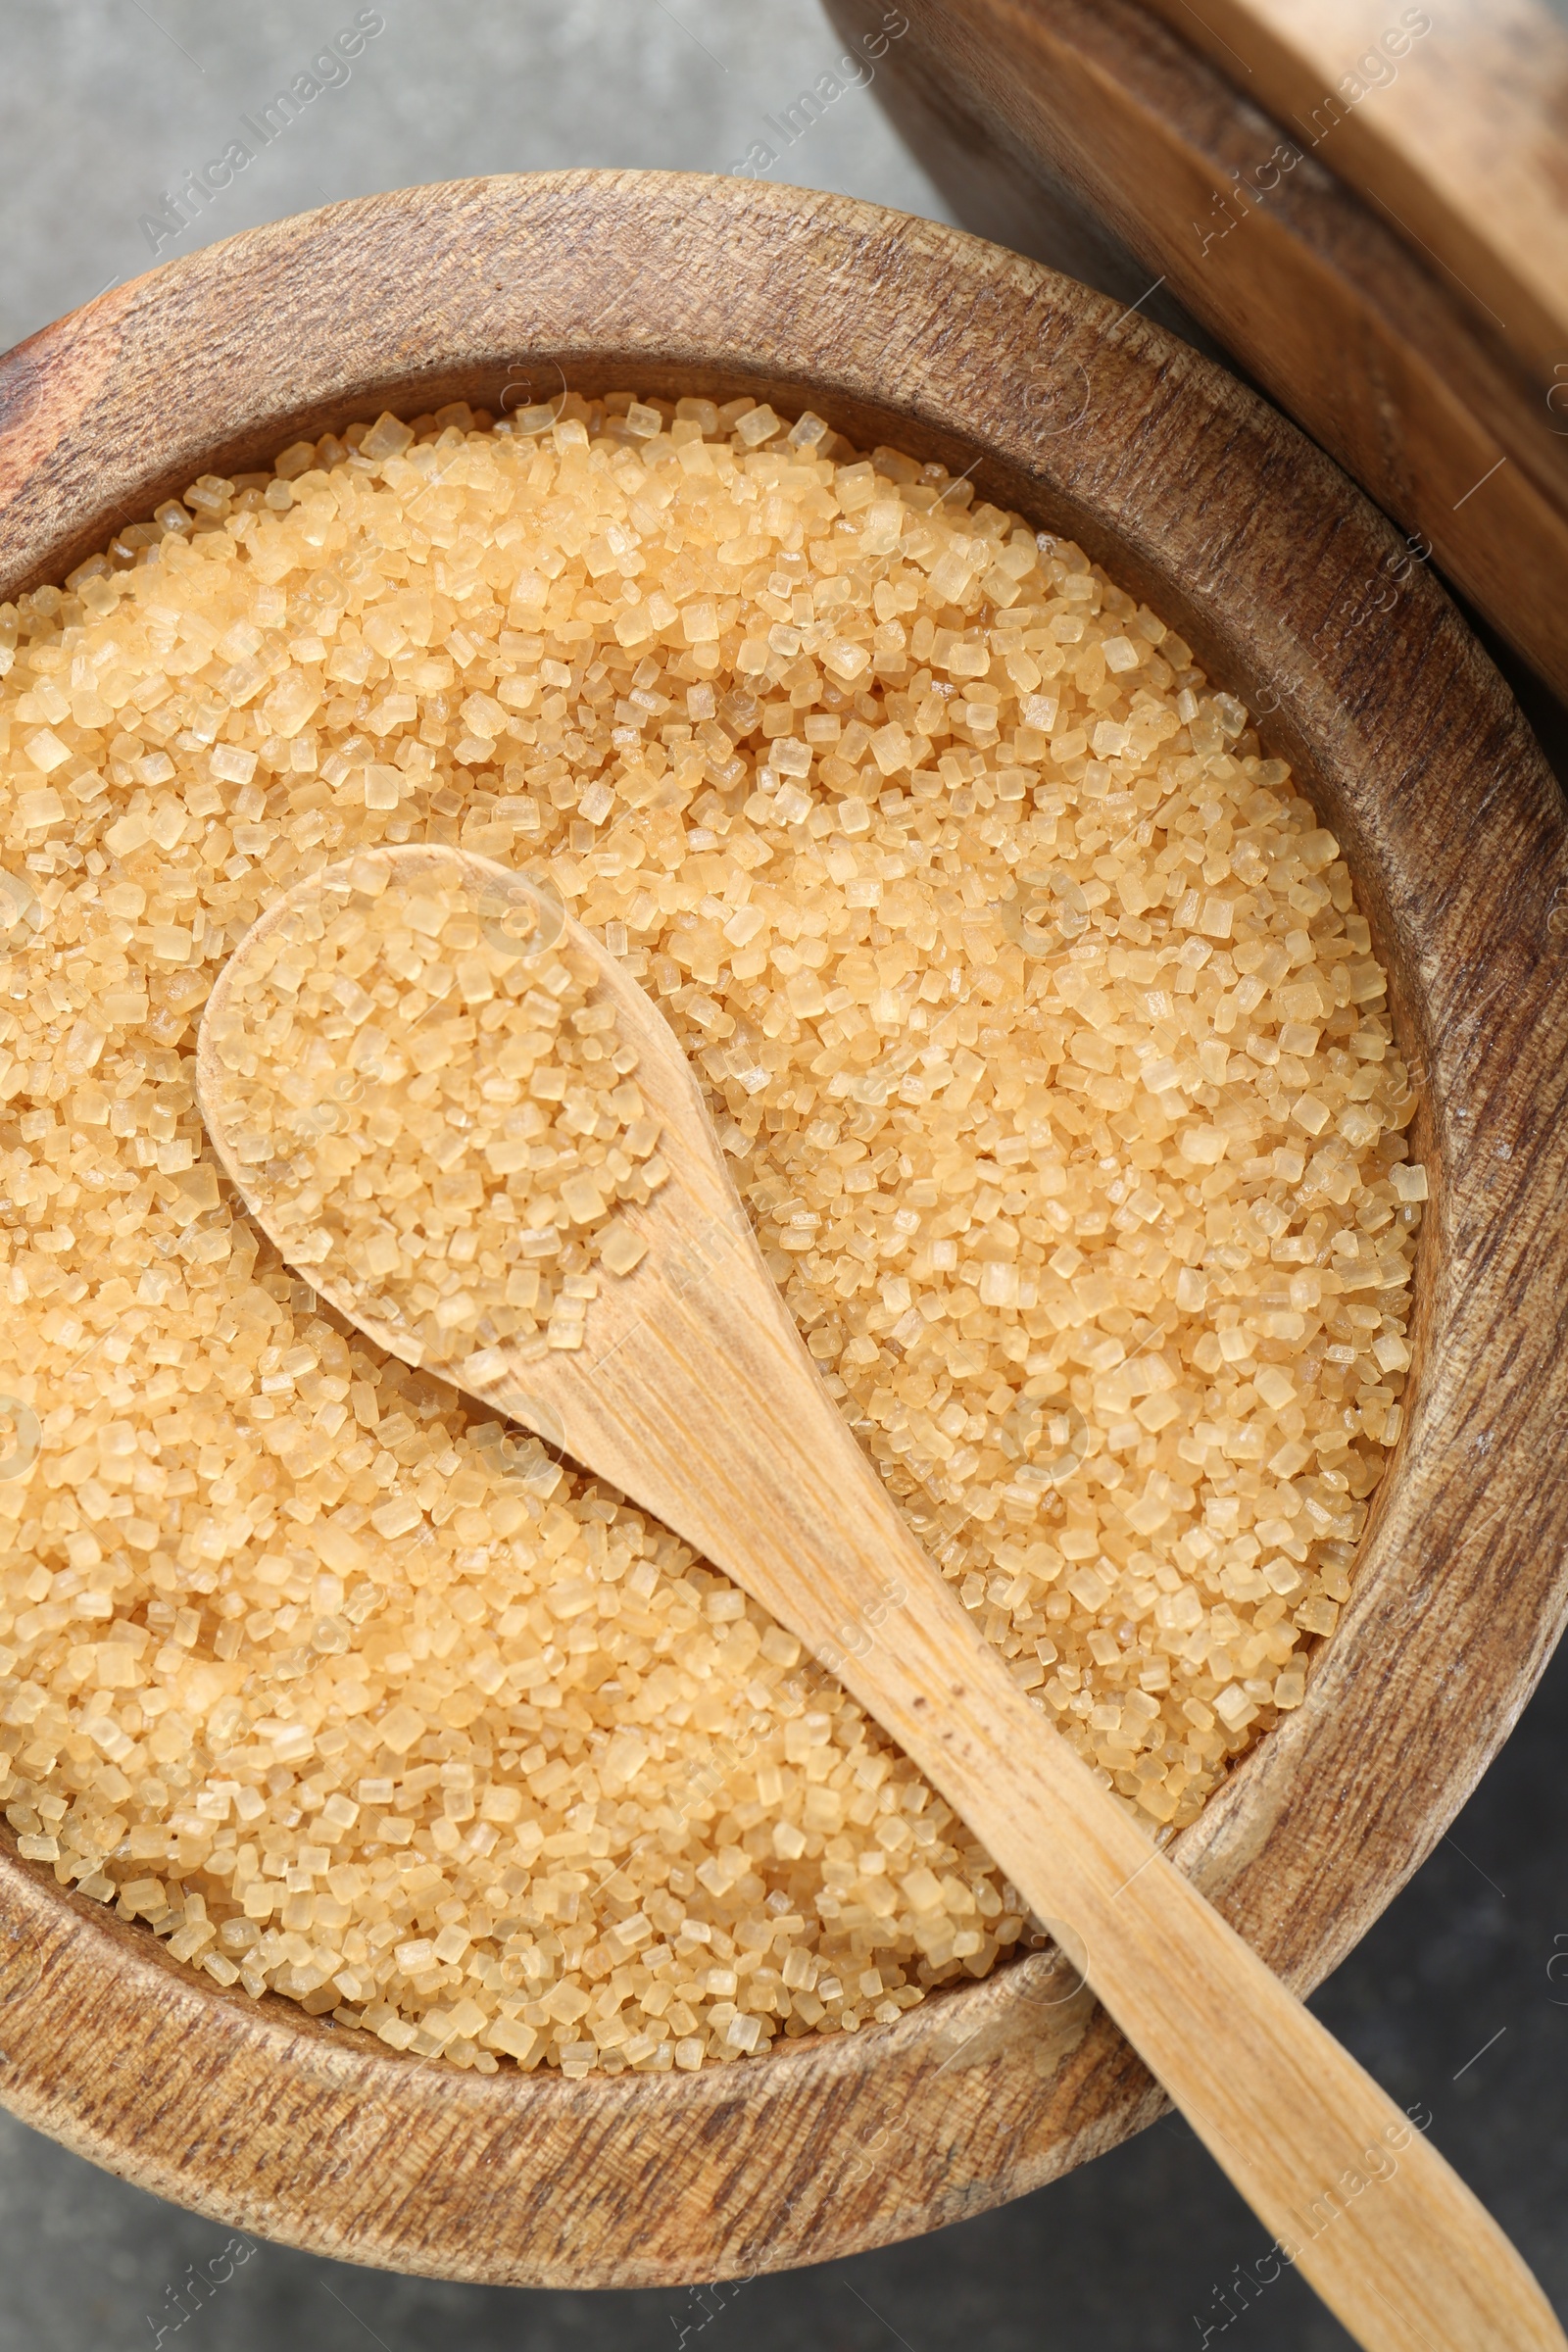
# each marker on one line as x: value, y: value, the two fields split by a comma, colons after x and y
x: 754, y: 1466
x: 1383, y: 2228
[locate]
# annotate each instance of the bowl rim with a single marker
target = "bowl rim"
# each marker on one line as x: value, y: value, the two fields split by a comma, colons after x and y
x: 1286, y: 582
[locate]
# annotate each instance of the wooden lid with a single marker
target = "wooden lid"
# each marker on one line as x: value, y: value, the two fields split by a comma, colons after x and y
x: 1450, y: 125
x: 1384, y: 251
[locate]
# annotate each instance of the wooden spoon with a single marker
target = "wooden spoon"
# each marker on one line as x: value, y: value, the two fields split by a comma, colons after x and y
x: 696, y: 1397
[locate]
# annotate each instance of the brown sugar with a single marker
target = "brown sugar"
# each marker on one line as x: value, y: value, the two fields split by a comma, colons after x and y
x: 1036, y: 1014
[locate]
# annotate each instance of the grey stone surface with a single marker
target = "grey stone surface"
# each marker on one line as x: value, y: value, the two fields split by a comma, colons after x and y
x: 105, y: 104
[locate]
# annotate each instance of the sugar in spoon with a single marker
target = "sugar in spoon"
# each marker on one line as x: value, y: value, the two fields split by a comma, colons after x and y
x: 696, y: 1397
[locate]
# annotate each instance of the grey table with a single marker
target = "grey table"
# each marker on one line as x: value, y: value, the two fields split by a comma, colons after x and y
x: 1453, y: 1998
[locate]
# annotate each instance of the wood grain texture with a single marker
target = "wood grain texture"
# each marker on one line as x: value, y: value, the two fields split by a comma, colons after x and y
x: 695, y: 1397
x: 1043, y: 114
x: 1252, y: 543
x: 1461, y: 135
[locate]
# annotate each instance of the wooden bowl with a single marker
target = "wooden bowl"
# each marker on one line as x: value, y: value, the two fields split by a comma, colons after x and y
x: 1250, y: 542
